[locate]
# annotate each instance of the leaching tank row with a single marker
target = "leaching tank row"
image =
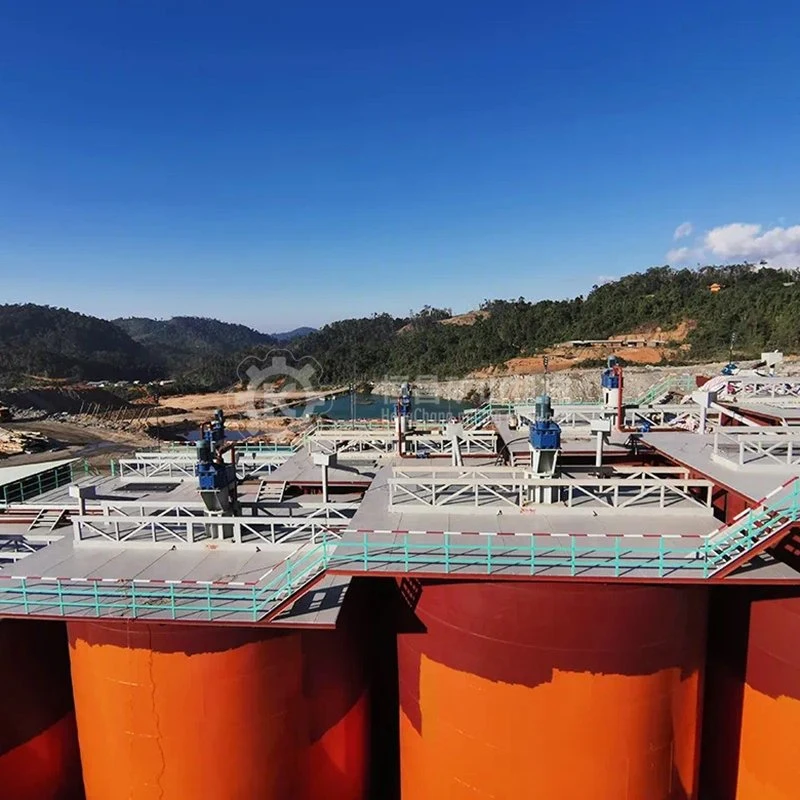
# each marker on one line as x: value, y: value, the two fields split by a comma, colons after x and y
x: 530, y: 600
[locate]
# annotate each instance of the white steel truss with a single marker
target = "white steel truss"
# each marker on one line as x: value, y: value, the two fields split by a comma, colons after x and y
x: 765, y: 448
x: 178, y: 465
x: 192, y: 529
x: 746, y: 387
x: 417, y: 489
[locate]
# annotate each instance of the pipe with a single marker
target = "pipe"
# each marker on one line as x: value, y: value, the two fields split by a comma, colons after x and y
x: 620, y: 410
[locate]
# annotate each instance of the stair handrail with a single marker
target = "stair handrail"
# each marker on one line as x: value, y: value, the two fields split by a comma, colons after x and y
x: 769, y: 508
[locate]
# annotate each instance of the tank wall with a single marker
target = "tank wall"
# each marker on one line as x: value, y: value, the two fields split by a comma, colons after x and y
x: 574, y: 691
x: 193, y: 711
x: 38, y: 744
x: 726, y: 662
x: 768, y: 765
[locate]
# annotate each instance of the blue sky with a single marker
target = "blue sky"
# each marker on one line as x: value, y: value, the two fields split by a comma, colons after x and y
x: 282, y: 164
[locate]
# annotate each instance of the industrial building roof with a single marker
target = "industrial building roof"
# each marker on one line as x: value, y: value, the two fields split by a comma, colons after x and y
x: 21, y: 471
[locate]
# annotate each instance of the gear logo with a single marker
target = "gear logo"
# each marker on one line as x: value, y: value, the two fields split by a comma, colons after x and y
x: 280, y: 384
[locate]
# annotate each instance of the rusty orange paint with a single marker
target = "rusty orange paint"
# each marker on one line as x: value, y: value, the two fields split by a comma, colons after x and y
x: 181, y: 711
x: 38, y: 744
x: 592, y: 705
x: 768, y: 766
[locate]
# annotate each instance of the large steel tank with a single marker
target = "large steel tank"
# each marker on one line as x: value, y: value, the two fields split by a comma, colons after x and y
x: 768, y: 765
x: 552, y: 690
x: 38, y: 745
x: 180, y: 711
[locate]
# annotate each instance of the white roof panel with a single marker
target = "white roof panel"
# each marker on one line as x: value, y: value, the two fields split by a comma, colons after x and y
x: 21, y: 471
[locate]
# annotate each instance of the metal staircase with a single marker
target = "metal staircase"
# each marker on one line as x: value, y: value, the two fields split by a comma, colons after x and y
x: 48, y: 519
x: 475, y: 418
x: 664, y: 389
x: 753, y: 531
x: 271, y: 492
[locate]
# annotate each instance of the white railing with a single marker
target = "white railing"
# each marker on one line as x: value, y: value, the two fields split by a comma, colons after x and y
x: 192, y: 529
x: 418, y: 489
x: 777, y: 447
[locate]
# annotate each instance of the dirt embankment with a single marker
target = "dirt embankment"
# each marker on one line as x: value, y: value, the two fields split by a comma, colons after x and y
x: 256, y: 412
x: 71, y: 440
x: 565, y: 386
x: 60, y: 400
x: 653, y: 346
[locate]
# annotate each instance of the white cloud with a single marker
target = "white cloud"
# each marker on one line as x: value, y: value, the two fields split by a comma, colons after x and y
x: 743, y: 241
x: 682, y: 231
x: 680, y: 255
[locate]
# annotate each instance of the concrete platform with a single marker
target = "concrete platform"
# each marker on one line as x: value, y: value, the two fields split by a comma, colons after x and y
x: 374, y: 514
x: 694, y: 451
x: 300, y: 470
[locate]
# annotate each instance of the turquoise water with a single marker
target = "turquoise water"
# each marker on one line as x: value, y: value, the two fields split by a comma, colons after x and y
x: 366, y: 406
x: 382, y: 407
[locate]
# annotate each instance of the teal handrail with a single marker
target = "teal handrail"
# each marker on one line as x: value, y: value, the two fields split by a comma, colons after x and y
x: 691, y: 558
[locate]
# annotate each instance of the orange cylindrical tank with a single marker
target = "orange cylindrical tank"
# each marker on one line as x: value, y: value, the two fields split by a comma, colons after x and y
x: 768, y: 765
x: 554, y: 690
x: 181, y: 711
x: 38, y: 745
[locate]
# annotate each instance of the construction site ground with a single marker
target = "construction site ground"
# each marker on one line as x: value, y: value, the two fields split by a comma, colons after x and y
x: 70, y: 440
x: 662, y: 346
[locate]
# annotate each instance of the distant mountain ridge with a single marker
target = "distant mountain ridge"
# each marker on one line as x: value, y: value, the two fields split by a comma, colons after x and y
x: 49, y: 342
x: 295, y: 333
x: 182, y: 343
x: 202, y: 333
x: 756, y: 307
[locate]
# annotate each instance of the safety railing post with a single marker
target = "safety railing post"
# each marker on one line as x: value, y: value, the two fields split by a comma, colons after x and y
x: 208, y: 601
x: 25, y: 595
x: 405, y: 551
x: 446, y: 553
x: 533, y: 554
x: 489, y: 554
x: 172, y: 608
x: 660, y: 556
x: 705, y: 558
x: 366, y: 552
x: 572, y: 565
x: 617, y: 555
x: 96, y: 599
x: 60, y: 598
x: 133, y: 599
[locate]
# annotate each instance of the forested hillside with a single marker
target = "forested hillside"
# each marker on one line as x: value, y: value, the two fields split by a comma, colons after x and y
x: 41, y: 341
x: 760, y: 305
x: 183, y: 344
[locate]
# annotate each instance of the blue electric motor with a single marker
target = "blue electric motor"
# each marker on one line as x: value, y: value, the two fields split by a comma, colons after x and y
x: 545, y: 431
x: 610, y: 376
x: 211, y: 471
